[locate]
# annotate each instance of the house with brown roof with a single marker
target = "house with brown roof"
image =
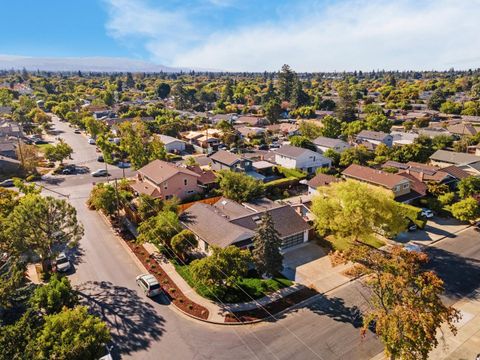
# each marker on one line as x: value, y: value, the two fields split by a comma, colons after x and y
x: 467, y: 162
x: 254, y: 121
x: 228, y: 223
x: 428, y: 173
x: 164, y: 180
x: 462, y: 129
x: 400, y: 186
x: 320, y: 180
x: 375, y: 138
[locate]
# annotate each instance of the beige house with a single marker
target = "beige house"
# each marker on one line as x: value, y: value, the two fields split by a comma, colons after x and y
x: 161, y: 179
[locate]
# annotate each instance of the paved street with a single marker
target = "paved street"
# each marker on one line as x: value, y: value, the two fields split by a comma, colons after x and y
x: 328, y: 328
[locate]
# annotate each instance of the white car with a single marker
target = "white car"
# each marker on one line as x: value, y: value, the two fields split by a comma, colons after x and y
x: 99, y: 173
x: 427, y: 213
x: 62, y: 263
x: 91, y: 141
x: 149, y: 284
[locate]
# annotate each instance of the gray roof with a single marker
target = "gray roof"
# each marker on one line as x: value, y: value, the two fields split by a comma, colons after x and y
x: 372, y: 135
x: 455, y: 158
x: 328, y: 142
x: 211, y: 226
x: 294, y: 151
x: 230, y: 208
x: 165, y: 139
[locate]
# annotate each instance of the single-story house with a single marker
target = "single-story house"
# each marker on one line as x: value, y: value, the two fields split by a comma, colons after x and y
x: 228, y: 223
x: 161, y: 179
x: 323, y: 144
x: 292, y: 157
x: 10, y: 128
x: 467, y: 162
x: 320, y: 180
x: 250, y: 131
x: 254, y: 121
x: 172, y: 144
x: 403, y: 138
x: 462, y: 129
x: 375, y: 137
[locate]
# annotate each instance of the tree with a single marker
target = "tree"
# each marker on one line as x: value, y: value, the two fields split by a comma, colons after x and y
x: 267, y: 243
x: 451, y: 107
x: 407, y: 310
x: 468, y: 186
x: 222, y: 269
x: 238, y: 186
x: 310, y: 130
x: 302, y: 141
x: 465, y: 210
x: 148, y: 206
x: 71, y: 334
x: 299, y: 96
x: 333, y: 155
x: 103, y: 197
x: 353, y: 210
x: 436, y: 100
x: 346, y: 107
x: 355, y: 155
x: 58, y: 152
x: 163, y: 90
x: 52, y: 297
x: 440, y: 142
x: 349, y: 130
x: 436, y: 189
x: 191, y: 161
x: 184, y: 242
x: 227, y: 91
x: 378, y: 122
x: 331, y: 127
x: 286, y: 82
x: 159, y: 229
x: 129, y: 81
x: 28, y: 155
x: 272, y: 110
x: 93, y: 126
x: 40, y: 223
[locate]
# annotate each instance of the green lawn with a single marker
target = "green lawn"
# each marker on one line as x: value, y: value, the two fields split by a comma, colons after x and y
x: 253, y: 288
x: 342, y: 244
x: 42, y: 147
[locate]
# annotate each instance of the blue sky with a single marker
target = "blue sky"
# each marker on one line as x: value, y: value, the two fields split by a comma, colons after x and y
x: 310, y: 35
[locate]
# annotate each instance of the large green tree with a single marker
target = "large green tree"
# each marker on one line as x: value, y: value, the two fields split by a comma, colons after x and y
x: 465, y: 210
x: 406, y: 309
x: 159, y: 229
x: 239, y: 186
x: 267, y: 243
x: 54, y: 296
x: 184, y: 242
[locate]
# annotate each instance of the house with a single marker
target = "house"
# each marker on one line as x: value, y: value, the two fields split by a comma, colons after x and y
x: 375, y: 137
x: 207, y: 179
x: 230, y: 118
x: 172, y: 145
x: 227, y: 222
x: 292, y: 157
x: 205, y: 139
x: 222, y: 159
x: 161, y: 179
x: 8, y: 148
x: 10, y: 128
x: 403, y: 138
x: 320, y: 180
x: 433, y: 132
x: 467, y: 162
x: 254, y: 121
x: 323, y: 144
x: 399, y: 185
x: 285, y: 129
x: 462, y: 129
x: 250, y: 131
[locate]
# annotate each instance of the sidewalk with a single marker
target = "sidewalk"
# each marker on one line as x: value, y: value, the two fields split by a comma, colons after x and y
x: 217, y: 311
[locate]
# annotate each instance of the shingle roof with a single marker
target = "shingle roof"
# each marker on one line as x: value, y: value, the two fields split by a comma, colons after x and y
x: 373, y: 176
x: 294, y: 151
x: 327, y: 142
x: 225, y: 157
x: 462, y: 129
x: 372, y: 135
x: 456, y: 172
x: 452, y: 157
x: 322, y: 180
x: 165, y: 139
x: 231, y: 209
x: 159, y: 171
x: 212, y: 227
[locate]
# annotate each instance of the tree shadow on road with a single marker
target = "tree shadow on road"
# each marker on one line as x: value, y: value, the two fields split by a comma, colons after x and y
x: 133, y: 323
x: 461, y: 275
x: 52, y: 180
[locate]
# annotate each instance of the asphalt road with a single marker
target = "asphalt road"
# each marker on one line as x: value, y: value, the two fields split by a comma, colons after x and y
x: 328, y: 328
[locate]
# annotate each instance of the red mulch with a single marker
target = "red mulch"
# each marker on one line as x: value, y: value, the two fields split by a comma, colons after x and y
x: 272, y: 308
x: 168, y: 286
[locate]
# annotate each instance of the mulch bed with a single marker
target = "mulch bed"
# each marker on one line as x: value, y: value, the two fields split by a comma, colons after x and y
x: 272, y: 308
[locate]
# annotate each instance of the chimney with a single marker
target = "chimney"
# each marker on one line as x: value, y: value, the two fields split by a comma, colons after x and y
x: 421, y: 175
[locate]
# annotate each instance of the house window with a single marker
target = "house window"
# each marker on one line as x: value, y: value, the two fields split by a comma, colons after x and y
x: 165, y: 186
x: 405, y: 186
x: 185, y: 182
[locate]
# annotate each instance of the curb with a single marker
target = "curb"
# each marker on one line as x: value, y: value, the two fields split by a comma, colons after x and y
x: 447, y: 237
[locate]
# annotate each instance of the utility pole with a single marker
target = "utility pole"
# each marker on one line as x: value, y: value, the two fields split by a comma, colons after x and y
x: 117, y: 199
x: 20, y: 151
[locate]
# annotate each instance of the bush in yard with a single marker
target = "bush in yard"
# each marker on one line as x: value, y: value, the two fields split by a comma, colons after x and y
x: 103, y: 198
x: 468, y: 186
x: 222, y: 269
x: 52, y: 297
x: 239, y: 186
x: 447, y: 198
x: 184, y: 242
x: 465, y: 210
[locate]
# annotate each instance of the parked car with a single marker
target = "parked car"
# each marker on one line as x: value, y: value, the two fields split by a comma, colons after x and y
x: 476, y: 227
x: 263, y: 147
x: 100, y: 159
x: 99, y: 173
x: 91, y: 141
x: 7, y: 183
x: 62, y: 263
x: 412, y: 226
x: 123, y: 165
x: 427, y: 213
x: 77, y: 131
x: 40, y: 142
x: 68, y: 171
x: 149, y: 284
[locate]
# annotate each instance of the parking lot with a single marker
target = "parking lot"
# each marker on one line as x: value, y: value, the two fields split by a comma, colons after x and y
x: 436, y: 228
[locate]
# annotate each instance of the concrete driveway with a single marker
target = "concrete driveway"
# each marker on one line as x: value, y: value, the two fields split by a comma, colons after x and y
x: 435, y: 229
x: 308, y: 264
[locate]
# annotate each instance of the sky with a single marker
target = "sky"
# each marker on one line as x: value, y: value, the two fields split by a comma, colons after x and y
x: 251, y: 35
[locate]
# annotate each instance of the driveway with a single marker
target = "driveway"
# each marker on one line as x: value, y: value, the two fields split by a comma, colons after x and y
x: 308, y: 264
x: 435, y: 229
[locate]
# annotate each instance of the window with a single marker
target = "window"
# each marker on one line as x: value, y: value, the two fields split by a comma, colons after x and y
x: 185, y: 182
x: 165, y: 186
x: 405, y: 186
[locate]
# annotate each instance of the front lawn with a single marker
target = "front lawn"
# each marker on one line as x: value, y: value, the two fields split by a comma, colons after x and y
x: 253, y: 288
x: 342, y: 244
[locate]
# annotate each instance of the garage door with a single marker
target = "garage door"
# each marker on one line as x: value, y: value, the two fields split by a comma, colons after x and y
x: 292, y: 240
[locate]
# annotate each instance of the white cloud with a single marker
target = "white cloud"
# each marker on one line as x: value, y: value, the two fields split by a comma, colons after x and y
x: 345, y: 35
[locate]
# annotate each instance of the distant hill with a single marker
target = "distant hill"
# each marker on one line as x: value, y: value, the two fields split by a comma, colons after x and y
x: 95, y: 64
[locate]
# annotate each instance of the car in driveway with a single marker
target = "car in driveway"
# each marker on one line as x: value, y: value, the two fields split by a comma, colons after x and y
x: 99, y: 173
x: 62, y: 263
x: 149, y: 284
x: 91, y: 141
x: 7, y: 183
x: 427, y: 213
